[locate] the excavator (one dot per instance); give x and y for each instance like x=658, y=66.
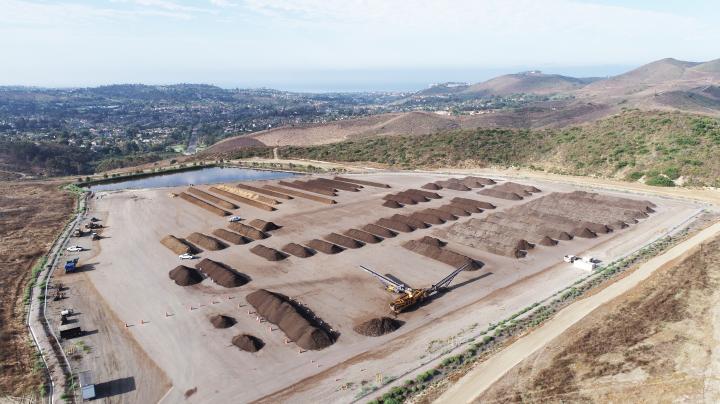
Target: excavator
x=409, y=296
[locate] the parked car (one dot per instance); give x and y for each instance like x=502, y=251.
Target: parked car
x=235, y=219
x=186, y=256
x=75, y=248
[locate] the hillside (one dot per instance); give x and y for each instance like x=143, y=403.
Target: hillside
x=655, y=147
x=526, y=83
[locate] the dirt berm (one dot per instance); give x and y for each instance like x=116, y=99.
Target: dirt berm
x=290, y=318
x=221, y=274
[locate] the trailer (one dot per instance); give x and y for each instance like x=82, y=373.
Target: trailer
x=87, y=387
x=68, y=331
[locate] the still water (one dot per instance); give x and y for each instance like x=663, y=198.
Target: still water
x=210, y=175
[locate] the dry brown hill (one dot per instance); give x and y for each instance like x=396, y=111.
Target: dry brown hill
x=527, y=83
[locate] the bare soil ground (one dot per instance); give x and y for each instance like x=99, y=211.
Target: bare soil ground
x=170, y=322
x=31, y=216
x=659, y=342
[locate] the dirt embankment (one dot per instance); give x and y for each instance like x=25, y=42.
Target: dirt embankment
x=31, y=216
x=655, y=342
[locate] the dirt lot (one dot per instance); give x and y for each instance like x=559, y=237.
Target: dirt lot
x=171, y=323
x=31, y=215
x=659, y=341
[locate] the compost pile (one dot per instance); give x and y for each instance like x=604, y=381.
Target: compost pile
x=221, y=274
x=212, y=198
x=263, y=225
x=365, y=237
x=410, y=221
x=546, y=221
x=247, y=231
x=472, y=202
x=176, y=245
x=206, y=242
x=378, y=326
x=362, y=182
x=324, y=247
x=441, y=254
x=379, y=231
x=279, y=310
x=454, y=210
x=343, y=241
x=500, y=194
x=394, y=225
x=230, y=236
x=393, y=204
x=428, y=218
x=221, y=321
x=268, y=253
x=248, y=343
x=431, y=186
x=426, y=194
x=297, y=250
x=185, y=276
x=199, y=202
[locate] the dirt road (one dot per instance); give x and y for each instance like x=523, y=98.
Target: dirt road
x=484, y=375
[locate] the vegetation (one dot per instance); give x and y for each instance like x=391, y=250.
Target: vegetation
x=660, y=147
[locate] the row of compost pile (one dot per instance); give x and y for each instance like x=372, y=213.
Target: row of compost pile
x=268, y=253
x=231, y=237
x=297, y=250
x=221, y=274
x=176, y=245
x=291, y=319
x=206, y=242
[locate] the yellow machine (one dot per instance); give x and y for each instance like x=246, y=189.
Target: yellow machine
x=409, y=296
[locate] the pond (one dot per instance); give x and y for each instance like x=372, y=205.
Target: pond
x=209, y=175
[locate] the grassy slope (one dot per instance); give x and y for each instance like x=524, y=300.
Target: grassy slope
x=656, y=146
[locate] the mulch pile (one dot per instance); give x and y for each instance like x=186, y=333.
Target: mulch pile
x=428, y=218
x=230, y=236
x=472, y=202
x=220, y=321
x=268, y=253
x=455, y=185
x=454, y=210
x=212, y=198
x=378, y=326
x=297, y=250
x=176, y=245
x=430, y=195
x=299, y=194
x=307, y=187
x=343, y=241
x=500, y=194
x=221, y=274
x=264, y=191
x=199, y=202
x=363, y=236
x=337, y=184
x=432, y=241
x=392, y=204
x=441, y=254
x=394, y=225
x=403, y=199
x=362, y=182
x=247, y=231
x=446, y=216
x=279, y=310
x=379, y=231
x=248, y=343
x=431, y=186
x=206, y=242
x=410, y=221
x=263, y=225
x=323, y=246
x=185, y=276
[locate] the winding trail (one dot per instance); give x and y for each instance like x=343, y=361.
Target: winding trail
x=484, y=375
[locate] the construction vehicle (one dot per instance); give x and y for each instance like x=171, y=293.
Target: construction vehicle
x=71, y=265
x=409, y=296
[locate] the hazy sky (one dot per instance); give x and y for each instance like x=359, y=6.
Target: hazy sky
x=354, y=44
